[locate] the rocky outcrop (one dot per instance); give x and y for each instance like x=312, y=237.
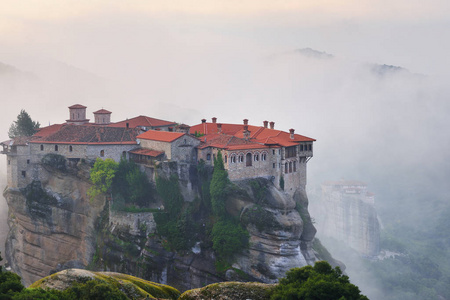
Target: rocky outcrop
x=281, y=232
x=51, y=224
x=133, y=287
x=230, y=291
x=345, y=211
x=54, y=226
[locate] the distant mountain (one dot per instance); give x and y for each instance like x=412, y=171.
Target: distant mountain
x=309, y=52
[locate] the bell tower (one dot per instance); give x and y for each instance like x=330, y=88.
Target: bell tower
x=77, y=115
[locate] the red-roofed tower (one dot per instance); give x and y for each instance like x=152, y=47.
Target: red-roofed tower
x=77, y=115
x=102, y=117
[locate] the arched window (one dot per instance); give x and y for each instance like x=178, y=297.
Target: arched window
x=241, y=158
x=286, y=168
x=256, y=157
x=208, y=156
x=70, y=148
x=248, y=160
x=233, y=159
x=56, y=147
x=263, y=156
x=102, y=153
x=290, y=167
x=42, y=147
x=226, y=159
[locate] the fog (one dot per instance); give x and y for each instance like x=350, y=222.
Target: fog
x=385, y=126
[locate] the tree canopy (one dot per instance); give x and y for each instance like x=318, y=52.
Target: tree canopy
x=102, y=175
x=23, y=126
x=318, y=282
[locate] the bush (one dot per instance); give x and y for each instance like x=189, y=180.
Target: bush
x=55, y=160
x=318, y=282
x=228, y=237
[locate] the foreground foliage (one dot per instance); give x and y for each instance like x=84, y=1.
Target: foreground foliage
x=318, y=282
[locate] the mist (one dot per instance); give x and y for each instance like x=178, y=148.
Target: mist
x=382, y=125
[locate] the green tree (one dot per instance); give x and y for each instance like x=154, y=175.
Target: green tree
x=23, y=126
x=318, y=282
x=102, y=175
x=228, y=237
x=218, y=186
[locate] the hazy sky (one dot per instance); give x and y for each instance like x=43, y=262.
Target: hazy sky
x=95, y=35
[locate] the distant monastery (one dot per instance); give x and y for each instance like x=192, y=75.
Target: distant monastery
x=248, y=151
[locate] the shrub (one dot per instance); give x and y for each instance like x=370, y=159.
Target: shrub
x=55, y=161
x=228, y=237
x=318, y=282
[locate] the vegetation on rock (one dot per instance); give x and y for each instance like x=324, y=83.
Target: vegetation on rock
x=23, y=126
x=318, y=282
x=55, y=161
x=102, y=175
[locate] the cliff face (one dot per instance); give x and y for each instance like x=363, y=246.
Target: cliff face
x=349, y=215
x=53, y=226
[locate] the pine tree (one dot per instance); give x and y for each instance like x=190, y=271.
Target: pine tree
x=23, y=126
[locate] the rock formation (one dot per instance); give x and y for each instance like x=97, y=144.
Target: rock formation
x=345, y=212
x=54, y=226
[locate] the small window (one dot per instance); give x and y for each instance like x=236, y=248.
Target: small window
x=124, y=154
x=241, y=158
x=226, y=159
x=273, y=165
x=295, y=166
x=263, y=156
x=310, y=147
x=233, y=159
x=70, y=148
x=301, y=147
x=273, y=151
x=185, y=142
x=208, y=156
x=24, y=174
x=102, y=153
x=290, y=167
x=286, y=167
x=42, y=147
x=28, y=161
x=256, y=157
x=56, y=147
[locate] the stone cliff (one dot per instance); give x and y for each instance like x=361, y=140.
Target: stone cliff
x=345, y=211
x=54, y=226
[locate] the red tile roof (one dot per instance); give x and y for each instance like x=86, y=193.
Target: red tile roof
x=77, y=106
x=162, y=136
x=86, y=134
x=102, y=111
x=259, y=136
x=147, y=152
x=48, y=130
x=142, y=121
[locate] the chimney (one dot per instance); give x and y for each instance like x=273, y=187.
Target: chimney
x=272, y=125
x=245, y=121
x=291, y=131
x=266, y=123
x=214, y=119
x=246, y=132
x=219, y=127
x=203, y=120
